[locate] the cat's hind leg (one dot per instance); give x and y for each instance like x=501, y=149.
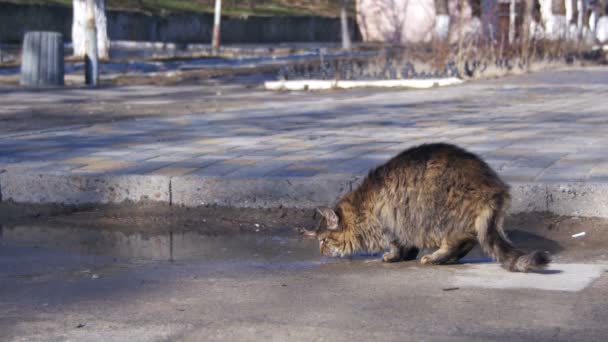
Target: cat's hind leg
x=446, y=254
x=398, y=252
x=464, y=249
x=393, y=254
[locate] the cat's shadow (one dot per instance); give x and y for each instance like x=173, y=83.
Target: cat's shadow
x=487, y=260
x=548, y=272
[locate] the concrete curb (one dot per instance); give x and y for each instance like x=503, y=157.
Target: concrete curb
x=576, y=199
x=82, y=189
x=259, y=193
x=338, y=84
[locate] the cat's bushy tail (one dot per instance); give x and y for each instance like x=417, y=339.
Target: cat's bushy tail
x=493, y=240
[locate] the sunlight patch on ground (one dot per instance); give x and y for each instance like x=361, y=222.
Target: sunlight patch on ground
x=558, y=277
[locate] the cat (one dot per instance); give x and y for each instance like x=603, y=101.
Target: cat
x=429, y=196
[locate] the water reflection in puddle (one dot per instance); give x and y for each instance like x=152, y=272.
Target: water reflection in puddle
x=169, y=246
x=257, y=250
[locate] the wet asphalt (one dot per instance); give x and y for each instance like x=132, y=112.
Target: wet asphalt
x=62, y=283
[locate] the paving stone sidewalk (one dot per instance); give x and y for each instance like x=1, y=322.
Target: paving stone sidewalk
x=544, y=133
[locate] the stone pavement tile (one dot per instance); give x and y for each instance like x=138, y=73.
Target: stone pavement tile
x=558, y=147
x=172, y=171
x=588, y=154
x=229, y=141
x=505, y=159
x=204, y=160
x=316, y=165
x=297, y=173
x=540, y=160
x=600, y=167
x=472, y=139
x=84, y=160
x=242, y=130
x=65, y=156
x=487, y=147
x=104, y=166
x=597, y=178
x=245, y=160
x=204, y=150
x=514, y=135
x=255, y=152
x=137, y=156
x=295, y=146
x=373, y=146
x=463, y=132
x=599, y=173
x=141, y=168
x=297, y=156
x=347, y=153
x=356, y=166
x=56, y=168
x=170, y=158
x=18, y=149
x=520, y=173
x=260, y=169
x=25, y=166
x=111, y=153
x=514, y=152
x=566, y=173
x=42, y=153
x=181, y=148
x=219, y=168
x=496, y=165
x=100, y=128
x=306, y=168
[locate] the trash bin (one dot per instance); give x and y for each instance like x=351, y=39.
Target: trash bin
x=42, y=59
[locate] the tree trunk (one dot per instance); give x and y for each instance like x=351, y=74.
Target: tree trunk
x=512, y=22
x=475, y=8
x=442, y=19
x=79, y=26
x=91, y=59
x=601, y=8
x=574, y=19
x=346, y=43
x=441, y=7
x=558, y=7
x=601, y=25
x=557, y=25
x=526, y=29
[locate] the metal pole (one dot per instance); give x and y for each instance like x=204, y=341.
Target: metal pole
x=215, y=43
x=346, y=43
x=91, y=58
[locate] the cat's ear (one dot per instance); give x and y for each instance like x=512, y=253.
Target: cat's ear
x=330, y=217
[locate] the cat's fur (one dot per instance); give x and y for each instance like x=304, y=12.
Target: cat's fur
x=434, y=195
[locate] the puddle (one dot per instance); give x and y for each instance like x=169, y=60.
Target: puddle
x=219, y=243
x=170, y=246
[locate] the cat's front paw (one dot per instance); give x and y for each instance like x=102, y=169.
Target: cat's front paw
x=426, y=260
x=390, y=257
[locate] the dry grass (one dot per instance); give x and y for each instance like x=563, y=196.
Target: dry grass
x=325, y=8
x=473, y=60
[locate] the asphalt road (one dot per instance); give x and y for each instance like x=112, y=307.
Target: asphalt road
x=59, y=284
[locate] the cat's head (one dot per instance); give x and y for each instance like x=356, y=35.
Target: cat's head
x=330, y=234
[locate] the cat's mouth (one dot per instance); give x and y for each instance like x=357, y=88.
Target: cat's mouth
x=332, y=252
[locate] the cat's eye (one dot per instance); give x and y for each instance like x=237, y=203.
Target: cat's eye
x=322, y=241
